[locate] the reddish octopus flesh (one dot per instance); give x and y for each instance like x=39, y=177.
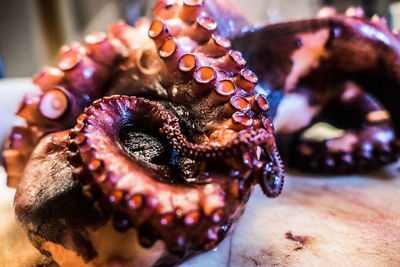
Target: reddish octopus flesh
x=162, y=129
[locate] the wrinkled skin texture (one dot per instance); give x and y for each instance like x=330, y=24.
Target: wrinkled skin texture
x=181, y=167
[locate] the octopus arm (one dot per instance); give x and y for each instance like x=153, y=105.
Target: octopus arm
x=320, y=56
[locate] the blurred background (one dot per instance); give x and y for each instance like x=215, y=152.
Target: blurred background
x=31, y=31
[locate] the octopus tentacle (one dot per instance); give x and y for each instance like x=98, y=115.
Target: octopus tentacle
x=367, y=141
x=271, y=177
x=142, y=193
x=128, y=60
x=20, y=142
x=179, y=168
x=81, y=76
x=245, y=142
x=220, y=79
x=168, y=124
x=317, y=56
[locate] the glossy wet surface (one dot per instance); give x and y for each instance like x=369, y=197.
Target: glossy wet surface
x=346, y=221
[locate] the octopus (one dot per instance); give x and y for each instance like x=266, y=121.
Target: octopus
x=145, y=143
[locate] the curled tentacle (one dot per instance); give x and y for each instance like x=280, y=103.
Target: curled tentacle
x=245, y=142
x=131, y=110
x=185, y=47
x=145, y=191
x=271, y=175
x=317, y=56
x=178, y=169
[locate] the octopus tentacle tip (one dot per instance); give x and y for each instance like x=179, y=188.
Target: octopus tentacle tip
x=271, y=176
x=173, y=133
x=248, y=160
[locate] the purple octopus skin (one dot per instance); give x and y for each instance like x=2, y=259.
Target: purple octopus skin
x=178, y=168
x=347, y=67
x=180, y=134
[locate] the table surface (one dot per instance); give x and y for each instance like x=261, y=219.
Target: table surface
x=340, y=221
